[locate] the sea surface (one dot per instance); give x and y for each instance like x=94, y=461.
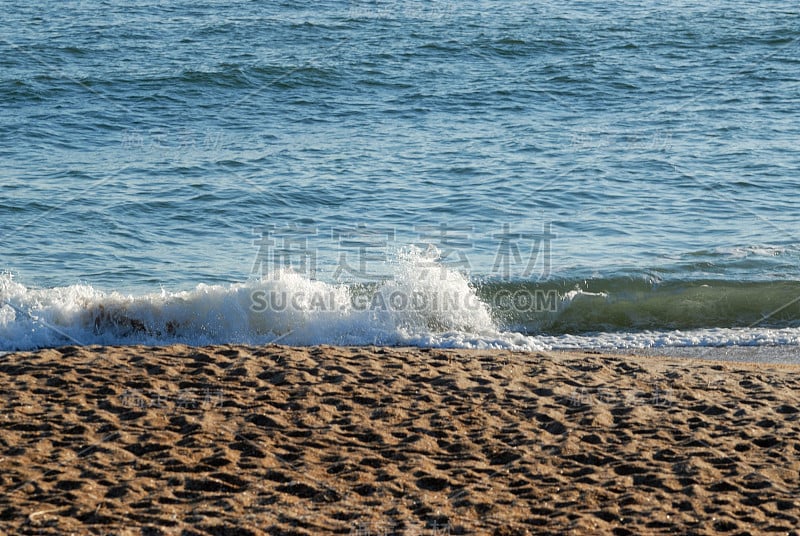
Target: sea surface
x=506, y=174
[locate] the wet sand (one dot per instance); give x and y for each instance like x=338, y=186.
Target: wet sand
x=329, y=440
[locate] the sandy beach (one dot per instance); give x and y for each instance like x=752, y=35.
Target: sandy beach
x=329, y=440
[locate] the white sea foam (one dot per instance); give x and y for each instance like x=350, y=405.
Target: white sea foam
x=422, y=304
x=706, y=337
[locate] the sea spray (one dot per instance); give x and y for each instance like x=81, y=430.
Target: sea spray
x=422, y=303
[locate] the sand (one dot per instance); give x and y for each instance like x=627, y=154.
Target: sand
x=372, y=441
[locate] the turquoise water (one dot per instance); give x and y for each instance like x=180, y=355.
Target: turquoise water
x=617, y=175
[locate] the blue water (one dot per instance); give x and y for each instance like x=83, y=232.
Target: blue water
x=161, y=162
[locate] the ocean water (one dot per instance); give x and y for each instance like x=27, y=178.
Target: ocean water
x=437, y=173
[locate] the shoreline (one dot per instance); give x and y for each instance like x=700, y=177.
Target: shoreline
x=767, y=354
x=785, y=354
x=377, y=440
